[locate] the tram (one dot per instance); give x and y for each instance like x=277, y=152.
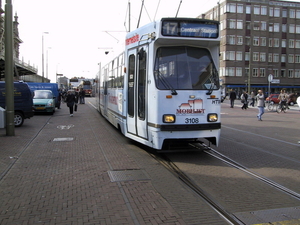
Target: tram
x=164, y=88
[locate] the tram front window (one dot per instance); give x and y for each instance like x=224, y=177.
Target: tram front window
x=185, y=68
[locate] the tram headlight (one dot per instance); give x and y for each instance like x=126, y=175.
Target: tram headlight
x=169, y=118
x=212, y=117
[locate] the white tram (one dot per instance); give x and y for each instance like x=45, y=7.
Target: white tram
x=165, y=86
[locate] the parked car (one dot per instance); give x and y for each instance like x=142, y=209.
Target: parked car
x=273, y=98
x=292, y=99
x=44, y=101
x=47, y=86
x=23, y=105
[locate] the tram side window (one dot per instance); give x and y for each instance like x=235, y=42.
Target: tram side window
x=131, y=74
x=142, y=87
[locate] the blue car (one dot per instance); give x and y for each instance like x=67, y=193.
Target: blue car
x=44, y=101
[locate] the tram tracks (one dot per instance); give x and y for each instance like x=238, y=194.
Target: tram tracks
x=164, y=160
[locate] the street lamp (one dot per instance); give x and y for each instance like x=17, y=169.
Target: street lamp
x=47, y=62
x=43, y=55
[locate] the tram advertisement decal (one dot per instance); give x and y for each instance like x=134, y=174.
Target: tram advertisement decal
x=192, y=107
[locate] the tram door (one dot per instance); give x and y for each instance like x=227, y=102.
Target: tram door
x=105, y=92
x=137, y=95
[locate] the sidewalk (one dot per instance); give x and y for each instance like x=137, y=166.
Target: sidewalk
x=80, y=170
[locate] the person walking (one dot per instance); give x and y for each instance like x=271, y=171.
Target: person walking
x=71, y=99
x=260, y=104
x=244, y=100
x=232, y=97
x=252, y=98
x=81, y=96
x=283, y=97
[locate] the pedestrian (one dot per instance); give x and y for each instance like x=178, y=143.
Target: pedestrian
x=260, y=104
x=283, y=97
x=81, y=96
x=244, y=100
x=70, y=101
x=252, y=98
x=232, y=97
x=298, y=101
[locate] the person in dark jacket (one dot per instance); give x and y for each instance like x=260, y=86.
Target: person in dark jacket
x=232, y=97
x=71, y=99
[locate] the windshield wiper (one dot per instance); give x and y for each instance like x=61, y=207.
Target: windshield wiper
x=165, y=82
x=214, y=82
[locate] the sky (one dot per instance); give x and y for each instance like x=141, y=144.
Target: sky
x=76, y=33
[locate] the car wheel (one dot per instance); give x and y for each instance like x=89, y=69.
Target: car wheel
x=19, y=119
x=292, y=103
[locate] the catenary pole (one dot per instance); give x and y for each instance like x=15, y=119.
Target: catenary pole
x=9, y=70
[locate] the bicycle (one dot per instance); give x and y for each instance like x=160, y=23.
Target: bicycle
x=271, y=106
x=282, y=108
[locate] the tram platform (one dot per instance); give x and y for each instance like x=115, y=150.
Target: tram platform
x=80, y=170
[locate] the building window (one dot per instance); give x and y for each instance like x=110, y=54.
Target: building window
x=231, y=7
x=256, y=41
x=276, y=42
x=297, y=58
x=239, y=56
x=270, y=42
x=263, y=25
x=291, y=43
x=271, y=27
x=283, y=58
x=283, y=43
x=270, y=57
x=239, y=24
x=275, y=57
x=264, y=10
x=291, y=74
x=239, y=71
x=232, y=24
x=271, y=11
x=284, y=28
x=297, y=29
x=239, y=40
x=275, y=72
x=231, y=39
x=257, y=10
x=284, y=13
x=297, y=73
x=282, y=73
x=256, y=25
x=291, y=58
x=263, y=41
x=240, y=8
x=262, y=72
x=276, y=27
x=292, y=28
x=255, y=56
x=292, y=13
x=276, y=12
x=298, y=14
x=262, y=56
x=255, y=72
x=230, y=55
x=248, y=9
x=247, y=54
x=247, y=39
x=229, y=71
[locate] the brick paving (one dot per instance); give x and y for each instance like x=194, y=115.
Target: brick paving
x=43, y=181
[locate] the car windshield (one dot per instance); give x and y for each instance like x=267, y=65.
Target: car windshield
x=185, y=68
x=42, y=95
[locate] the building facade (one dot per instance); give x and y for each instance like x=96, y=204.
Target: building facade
x=260, y=39
x=21, y=69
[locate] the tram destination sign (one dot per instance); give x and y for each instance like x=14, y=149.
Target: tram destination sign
x=193, y=28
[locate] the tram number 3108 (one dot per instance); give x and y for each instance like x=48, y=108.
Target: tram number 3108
x=191, y=120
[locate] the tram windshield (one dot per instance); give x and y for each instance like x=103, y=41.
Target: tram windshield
x=185, y=68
